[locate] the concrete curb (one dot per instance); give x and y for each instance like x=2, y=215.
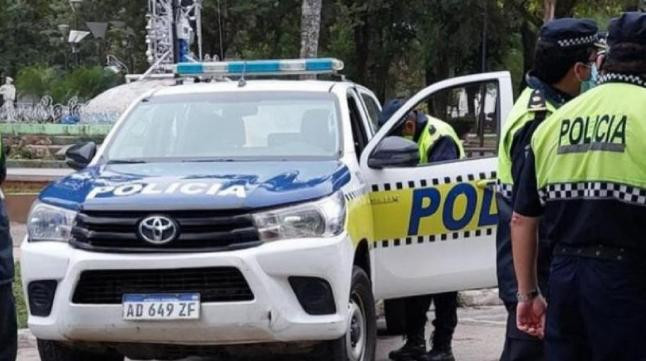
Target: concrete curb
x=478, y=298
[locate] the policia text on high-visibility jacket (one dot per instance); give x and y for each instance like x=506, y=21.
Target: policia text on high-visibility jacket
x=605, y=132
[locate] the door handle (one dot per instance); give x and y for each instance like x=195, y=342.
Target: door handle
x=486, y=184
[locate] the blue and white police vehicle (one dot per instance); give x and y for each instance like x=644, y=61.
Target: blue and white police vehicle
x=261, y=212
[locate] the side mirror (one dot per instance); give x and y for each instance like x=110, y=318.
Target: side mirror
x=394, y=151
x=80, y=155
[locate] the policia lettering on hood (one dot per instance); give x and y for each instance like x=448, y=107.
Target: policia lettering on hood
x=603, y=132
x=189, y=189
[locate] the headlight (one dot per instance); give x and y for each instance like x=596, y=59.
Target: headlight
x=322, y=218
x=49, y=223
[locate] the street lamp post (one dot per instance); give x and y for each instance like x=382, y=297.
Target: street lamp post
x=76, y=8
x=64, y=29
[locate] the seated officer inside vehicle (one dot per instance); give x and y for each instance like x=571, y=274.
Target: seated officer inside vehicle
x=437, y=141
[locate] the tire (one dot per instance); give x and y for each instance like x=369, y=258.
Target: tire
x=395, y=314
x=360, y=341
x=57, y=351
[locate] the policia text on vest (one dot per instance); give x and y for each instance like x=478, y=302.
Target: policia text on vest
x=602, y=132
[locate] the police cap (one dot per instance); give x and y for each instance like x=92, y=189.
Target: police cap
x=570, y=32
x=629, y=28
x=391, y=107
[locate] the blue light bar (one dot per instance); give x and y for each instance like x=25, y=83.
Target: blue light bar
x=261, y=67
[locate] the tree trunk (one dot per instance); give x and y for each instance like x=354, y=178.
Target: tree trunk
x=549, y=8
x=310, y=28
x=528, y=37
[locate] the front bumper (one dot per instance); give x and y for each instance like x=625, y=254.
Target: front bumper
x=274, y=315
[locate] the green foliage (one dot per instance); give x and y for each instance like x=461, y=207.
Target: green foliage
x=36, y=80
x=84, y=82
x=393, y=47
x=21, y=307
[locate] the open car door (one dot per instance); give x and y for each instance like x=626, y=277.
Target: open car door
x=435, y=224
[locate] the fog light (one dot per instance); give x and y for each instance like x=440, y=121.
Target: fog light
x=314, y=295
x=41, y=297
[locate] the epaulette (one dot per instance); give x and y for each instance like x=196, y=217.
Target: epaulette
x=537, y=102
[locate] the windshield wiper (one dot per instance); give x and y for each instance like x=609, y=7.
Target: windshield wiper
x=126, y=161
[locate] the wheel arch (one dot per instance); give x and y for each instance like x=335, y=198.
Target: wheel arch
x=362, y=257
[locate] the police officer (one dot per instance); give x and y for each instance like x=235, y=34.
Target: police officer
x=585, y=174
x=8, y=327
x=437, y=142
x=563, y=58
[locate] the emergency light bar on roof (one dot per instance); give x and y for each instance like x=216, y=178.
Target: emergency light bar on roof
x=260, y=67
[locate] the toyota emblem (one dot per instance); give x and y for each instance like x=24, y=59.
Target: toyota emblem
x=157, y=229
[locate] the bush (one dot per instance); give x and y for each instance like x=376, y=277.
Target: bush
x=83, y=82
x=36, y=80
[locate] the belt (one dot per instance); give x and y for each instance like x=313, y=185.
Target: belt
x=599, y=252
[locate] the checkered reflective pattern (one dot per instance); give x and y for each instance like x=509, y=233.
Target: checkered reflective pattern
x=622, y=78
x=594, y=190
x=504, y=189
x=566, y=43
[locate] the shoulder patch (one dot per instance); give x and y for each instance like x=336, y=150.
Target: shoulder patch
x=537, y=102
x=432, y=129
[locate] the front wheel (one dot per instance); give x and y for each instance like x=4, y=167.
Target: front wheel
x=359, y=342
x=57, y=351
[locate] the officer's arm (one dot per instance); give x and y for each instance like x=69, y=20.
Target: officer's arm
x=443, y=149
x=524, y=227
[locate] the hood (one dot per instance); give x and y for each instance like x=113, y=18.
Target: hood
x=198, y=185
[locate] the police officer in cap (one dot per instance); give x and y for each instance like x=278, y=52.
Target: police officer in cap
x=8, y=326
x=585, y=174
x=563, y=67
x=437, y=141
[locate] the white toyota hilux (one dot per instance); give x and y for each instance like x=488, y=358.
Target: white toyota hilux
x=229, y=216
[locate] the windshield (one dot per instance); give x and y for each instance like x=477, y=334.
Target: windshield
x=232, y=126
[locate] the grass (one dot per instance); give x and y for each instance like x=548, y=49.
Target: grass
x=21, y=307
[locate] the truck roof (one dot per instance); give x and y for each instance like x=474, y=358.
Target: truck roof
x=252, y=85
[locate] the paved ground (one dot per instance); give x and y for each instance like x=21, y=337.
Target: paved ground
x=18, y=231
x=479, y=337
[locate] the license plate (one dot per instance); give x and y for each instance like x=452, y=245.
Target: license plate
x=161, y=307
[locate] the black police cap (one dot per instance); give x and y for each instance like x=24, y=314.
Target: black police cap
x=570, y=32
x=389, y=109
x=629, y=28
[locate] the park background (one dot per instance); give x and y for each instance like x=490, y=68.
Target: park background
x=394, y=47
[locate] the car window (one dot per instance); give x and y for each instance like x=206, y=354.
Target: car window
x=373, y=109
x=359, y=136
x=472, y=110
x=229, y=126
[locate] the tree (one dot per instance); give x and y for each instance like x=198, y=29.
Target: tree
x=549, y=8
x=310, y=28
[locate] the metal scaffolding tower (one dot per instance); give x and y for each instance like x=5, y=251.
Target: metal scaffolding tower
x=172, y=26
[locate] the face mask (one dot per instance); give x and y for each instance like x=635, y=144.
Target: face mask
x=592, y=80
x=409, y=137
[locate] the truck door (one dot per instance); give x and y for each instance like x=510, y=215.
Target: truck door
x=435, y=224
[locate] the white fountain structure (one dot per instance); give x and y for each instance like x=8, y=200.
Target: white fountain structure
x=172, y=26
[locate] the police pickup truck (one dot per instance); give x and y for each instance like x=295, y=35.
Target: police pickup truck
x=227, y=216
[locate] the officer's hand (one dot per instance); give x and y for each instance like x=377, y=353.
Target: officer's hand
x=530, y=316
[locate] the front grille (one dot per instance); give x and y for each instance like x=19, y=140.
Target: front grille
x=217, y=284
x=197, y=230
